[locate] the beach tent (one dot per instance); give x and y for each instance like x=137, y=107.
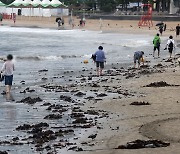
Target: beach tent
x=2, y=4
x=37, y=8
x=58, y=8
x=27, y=3
x=2, y=7
x=46, y=3
x=36, y=3
x=56, y=3
x=17, y=4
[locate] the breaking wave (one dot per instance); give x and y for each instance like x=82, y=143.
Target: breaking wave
x=38, y=58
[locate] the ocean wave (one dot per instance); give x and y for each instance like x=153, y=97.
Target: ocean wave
x=126, y=43
x=38, y=58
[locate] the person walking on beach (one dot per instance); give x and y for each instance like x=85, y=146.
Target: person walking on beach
x=177, y=30
x=7, y=70
x=156, y=42
x=170, y=45
x=138, y=56
x=14, y=17
x=161, y=29
x=100, y=59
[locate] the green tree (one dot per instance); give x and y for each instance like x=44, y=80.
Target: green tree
x=107, y=5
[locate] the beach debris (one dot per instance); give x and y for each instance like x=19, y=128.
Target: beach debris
x=140, y=103
x=101, y=95
x=3, y=152
x=92, y=112
x=93, y=136
x=53, y=116
x=158, y=65
x=65, y=98
x=144, y=66
x=3, y=93
x=169, y=60
x=129, y=75
x=80, y=121
x=28, y=127
x=79, y=94
x=139, y=144
x=90, y=78
x=29, y=100
x=27, y=90
x=95, y=85
x=44, y=70
x=159, y=84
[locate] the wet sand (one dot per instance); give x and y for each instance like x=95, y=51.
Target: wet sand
x=111, y=116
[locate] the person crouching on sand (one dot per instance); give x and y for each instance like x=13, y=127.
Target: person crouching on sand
x=100, y=59
x=138, y=56
x=7, y=70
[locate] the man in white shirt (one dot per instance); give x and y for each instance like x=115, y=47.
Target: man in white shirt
x=170, y=45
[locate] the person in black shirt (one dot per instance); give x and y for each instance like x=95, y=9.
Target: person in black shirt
x=177, y=30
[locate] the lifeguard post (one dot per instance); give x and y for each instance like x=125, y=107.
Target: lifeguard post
x=146, y=18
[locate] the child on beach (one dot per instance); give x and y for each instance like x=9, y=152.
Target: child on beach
x=7, y=70
x=138, y=55
x=100, y=59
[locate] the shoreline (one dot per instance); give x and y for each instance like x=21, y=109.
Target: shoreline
x=112, y=26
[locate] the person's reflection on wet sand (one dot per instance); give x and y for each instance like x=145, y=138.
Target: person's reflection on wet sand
x=9, y=97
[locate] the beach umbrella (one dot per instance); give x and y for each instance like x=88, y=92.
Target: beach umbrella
x=160, y=24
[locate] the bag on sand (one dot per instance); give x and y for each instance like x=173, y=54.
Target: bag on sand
x=1, y=77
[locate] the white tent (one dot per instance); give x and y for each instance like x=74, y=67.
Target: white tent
x=56, y=3
x=2, y=7
x=45, y=3
x=38, y=8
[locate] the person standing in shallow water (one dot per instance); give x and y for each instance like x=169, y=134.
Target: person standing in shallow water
x=7, y=70
x=156, y=42
x=100, y=59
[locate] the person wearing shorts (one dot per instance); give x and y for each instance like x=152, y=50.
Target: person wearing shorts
x=170, y=45
x=100, y=59
x=7, y=70
x=137, y=57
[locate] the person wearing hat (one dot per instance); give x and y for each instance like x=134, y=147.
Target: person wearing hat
x=100, y=59
x=138, y=56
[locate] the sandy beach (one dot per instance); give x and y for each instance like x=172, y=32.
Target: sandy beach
x=109, y=98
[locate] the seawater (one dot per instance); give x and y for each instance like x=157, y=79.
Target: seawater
x=59, y=50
